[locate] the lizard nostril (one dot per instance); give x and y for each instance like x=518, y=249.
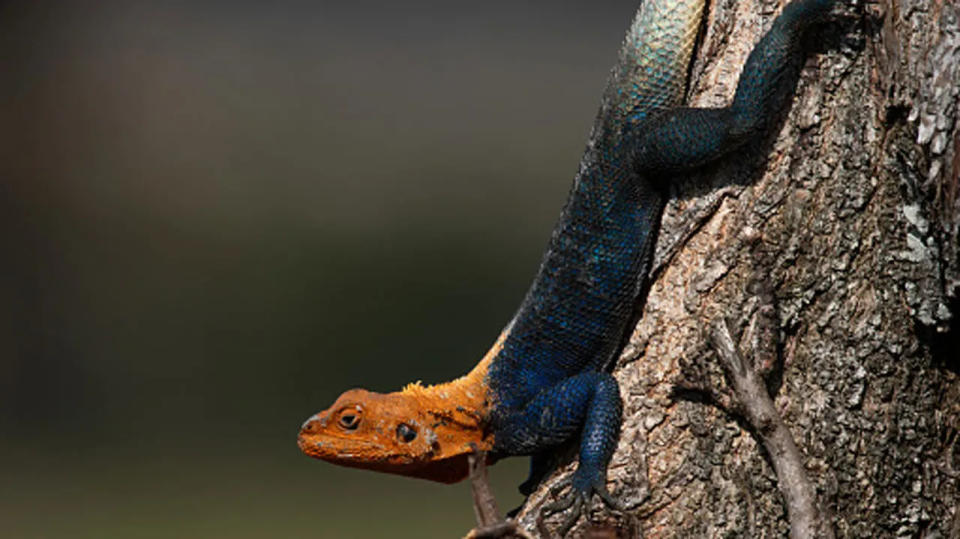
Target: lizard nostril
x=311, y=425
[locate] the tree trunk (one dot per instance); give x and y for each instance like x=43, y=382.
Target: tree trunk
x=830, y=252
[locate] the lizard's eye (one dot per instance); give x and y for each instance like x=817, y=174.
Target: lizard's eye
x=406, y=433
x=350, y=419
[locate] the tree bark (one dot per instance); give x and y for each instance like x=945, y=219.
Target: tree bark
x=830, y=251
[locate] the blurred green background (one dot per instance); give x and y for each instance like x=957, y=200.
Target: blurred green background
x=216, y=216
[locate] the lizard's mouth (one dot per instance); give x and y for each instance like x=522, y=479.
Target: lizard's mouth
x=372, y=456
x=336, y=449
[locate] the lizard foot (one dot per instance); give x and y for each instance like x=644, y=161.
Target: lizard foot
x=576, y=501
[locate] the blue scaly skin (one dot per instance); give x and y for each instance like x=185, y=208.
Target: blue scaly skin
x=546, y=381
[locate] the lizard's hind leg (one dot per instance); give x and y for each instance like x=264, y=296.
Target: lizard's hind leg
x=684, y=138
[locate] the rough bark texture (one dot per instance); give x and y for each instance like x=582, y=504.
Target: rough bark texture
x=848, y=214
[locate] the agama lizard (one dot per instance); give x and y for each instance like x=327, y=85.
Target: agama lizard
x=546, y=379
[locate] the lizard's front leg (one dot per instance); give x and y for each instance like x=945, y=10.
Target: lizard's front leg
x=587, y=404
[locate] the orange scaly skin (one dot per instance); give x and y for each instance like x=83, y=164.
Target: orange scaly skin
x=420, y=431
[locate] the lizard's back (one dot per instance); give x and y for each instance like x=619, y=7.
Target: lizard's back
x=576, y=311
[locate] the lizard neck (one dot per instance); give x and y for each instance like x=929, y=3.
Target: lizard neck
x=463, y=399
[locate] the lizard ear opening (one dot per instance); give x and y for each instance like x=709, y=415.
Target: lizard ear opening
x=406, y=433
x=350, y=418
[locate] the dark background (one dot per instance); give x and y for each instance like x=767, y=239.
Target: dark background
x=216, y=216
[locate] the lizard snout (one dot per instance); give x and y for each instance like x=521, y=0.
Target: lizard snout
x=313, y=424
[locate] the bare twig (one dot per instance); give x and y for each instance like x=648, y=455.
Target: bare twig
x=484, y=503
x=490, y=525
x=806, y=519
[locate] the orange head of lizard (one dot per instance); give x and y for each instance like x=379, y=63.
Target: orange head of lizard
x=424, y=432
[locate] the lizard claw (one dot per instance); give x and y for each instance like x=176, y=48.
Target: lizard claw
x=576, y=501
x=556, y=489
x=608, y=499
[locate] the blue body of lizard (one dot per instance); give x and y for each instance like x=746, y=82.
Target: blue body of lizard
x=549, y=380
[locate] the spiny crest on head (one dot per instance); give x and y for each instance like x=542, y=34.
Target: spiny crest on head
x=415, y=388
x=468, y=390
x=469, y=387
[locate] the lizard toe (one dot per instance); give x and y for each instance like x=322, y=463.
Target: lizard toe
x=576, y=502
